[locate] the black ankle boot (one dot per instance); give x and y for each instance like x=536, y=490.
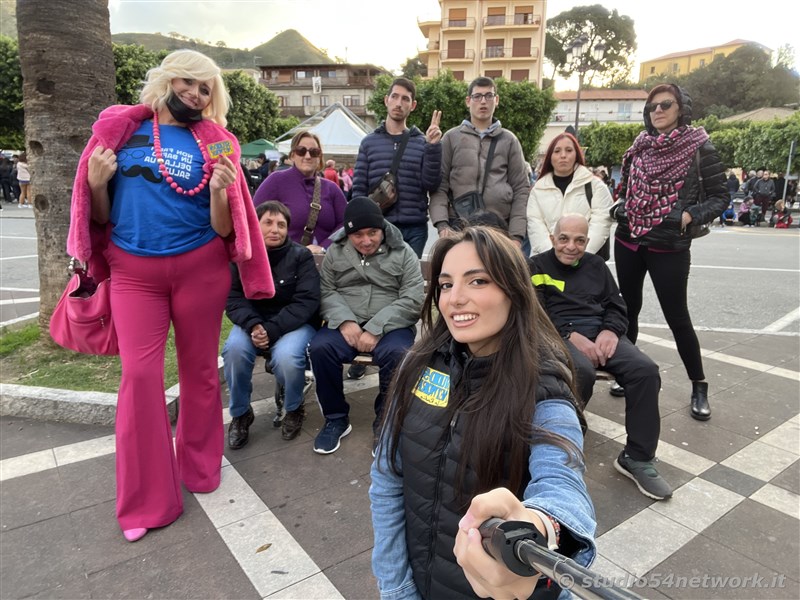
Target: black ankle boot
x=700, y=408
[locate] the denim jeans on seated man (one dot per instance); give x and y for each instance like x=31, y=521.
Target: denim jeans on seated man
x=287, y=361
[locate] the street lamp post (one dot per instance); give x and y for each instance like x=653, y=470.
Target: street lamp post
x=582, y=62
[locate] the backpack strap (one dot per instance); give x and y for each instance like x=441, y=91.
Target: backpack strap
x=313, y=214
x=587, y=189
x=489, y=158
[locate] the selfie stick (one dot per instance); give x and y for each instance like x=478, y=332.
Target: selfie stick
x=521, y=548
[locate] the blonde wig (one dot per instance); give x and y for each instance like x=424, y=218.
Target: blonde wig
x=187, y=64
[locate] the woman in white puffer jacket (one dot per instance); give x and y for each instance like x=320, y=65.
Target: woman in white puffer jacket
x=562, y=189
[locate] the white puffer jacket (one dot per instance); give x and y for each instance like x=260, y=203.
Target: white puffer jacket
x=546, y=205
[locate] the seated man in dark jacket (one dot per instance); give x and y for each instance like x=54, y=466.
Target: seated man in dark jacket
x=582, y=299
x=279, y=328
x=372, y=289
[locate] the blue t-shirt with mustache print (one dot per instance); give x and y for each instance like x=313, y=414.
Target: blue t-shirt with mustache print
x=149, y=218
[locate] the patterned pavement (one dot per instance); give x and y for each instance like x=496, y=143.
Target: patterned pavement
x=288, y=523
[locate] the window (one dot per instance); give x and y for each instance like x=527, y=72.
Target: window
x=496, y=16
x=494, y=48
x=283, y=101
x=456, y=49
x=675, y=68
x=352, y=101
x=625, y=108
x=702, y=62
x=520, y=74
x=652, y=70
x=302, y=74
x=493, y=74
x=306, y=100
x=328, y=74
x=523, y=15
x=521, y=47
x=458, y=75
x=457, y=17
x=323, y=100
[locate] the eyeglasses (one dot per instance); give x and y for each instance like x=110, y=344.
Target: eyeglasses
x=314, y=152
x=664, y=104
x=478, y=97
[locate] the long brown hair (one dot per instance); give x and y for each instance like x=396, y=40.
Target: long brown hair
x=547, y=164
x=499, y=422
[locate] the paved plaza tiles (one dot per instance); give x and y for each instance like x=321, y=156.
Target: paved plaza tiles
x=288, y=523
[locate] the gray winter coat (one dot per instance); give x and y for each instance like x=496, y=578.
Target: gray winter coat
x=382, y=292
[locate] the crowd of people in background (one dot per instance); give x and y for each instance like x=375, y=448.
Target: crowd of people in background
x=15, y=179
x=519, y=312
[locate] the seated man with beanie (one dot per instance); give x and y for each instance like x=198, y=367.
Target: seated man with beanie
x=584, y=303
x=278, y=328
x=372, y=291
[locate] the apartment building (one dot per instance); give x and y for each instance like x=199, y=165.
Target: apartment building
x=492, y=38
x=680, y=63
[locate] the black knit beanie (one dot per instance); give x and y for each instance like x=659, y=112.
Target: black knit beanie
x=362, y=213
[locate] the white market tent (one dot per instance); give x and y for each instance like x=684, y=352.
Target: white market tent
x=339, y=130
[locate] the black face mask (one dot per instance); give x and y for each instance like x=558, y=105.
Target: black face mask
x=182, y=113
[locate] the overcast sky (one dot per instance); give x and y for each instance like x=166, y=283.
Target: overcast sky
x=356, y=30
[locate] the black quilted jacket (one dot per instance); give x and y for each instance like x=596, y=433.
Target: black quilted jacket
x=668, y=234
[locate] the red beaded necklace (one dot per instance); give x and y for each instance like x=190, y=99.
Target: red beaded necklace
x=162, y=166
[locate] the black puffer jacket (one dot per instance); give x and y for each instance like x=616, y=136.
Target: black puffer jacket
x=297, y=294
x=668, y=235
x=430, y=455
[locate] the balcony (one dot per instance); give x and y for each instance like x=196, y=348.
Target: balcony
x=431, y=48
x=352, y=81
x=457, y=55
x=521, y=21
x=467, y=23
x=498, y=53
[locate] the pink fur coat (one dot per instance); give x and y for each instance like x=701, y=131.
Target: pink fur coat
x=87, y=239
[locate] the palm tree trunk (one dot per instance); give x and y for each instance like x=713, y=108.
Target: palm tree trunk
x=68, y=77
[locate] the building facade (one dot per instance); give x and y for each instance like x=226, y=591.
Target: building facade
x=681, y=63
x=305, y=89
x=491, y=38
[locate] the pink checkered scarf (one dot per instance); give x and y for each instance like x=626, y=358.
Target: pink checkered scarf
x=657, y=166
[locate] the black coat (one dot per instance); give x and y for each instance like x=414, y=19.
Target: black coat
x=669, y=234
x=297, y=295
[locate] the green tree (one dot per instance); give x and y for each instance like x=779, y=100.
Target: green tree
x=768, y=144
x=11, y=112
x=131, y=63
x=727, y=142
x=254, y=112
x=785, y=57
x=414, y=67
x=68, y=78
x=525, y=110
x=605, y=144
x=615, y=31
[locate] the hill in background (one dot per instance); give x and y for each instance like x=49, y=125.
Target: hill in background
x=286, y=48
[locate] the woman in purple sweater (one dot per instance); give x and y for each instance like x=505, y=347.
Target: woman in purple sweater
x=295, y=188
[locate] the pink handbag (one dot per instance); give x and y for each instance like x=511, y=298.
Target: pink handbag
x=82, y=319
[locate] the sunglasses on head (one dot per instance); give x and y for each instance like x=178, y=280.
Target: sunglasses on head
x=314, y=152
x=664, y=104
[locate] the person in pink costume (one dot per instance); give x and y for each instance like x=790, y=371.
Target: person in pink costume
x=161, y=203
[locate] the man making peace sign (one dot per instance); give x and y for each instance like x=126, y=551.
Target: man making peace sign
x=419, y=171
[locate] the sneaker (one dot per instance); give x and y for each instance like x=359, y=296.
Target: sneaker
x=331, y=434
x=292, y=423
x=238, y=430
x=645, y=475
x=617, y=390
x=356, y=372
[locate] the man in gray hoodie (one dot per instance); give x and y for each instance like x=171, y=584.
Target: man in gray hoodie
x=464, y=152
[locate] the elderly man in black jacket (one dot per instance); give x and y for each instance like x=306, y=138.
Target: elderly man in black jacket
x=583, y=301
x=279, y=328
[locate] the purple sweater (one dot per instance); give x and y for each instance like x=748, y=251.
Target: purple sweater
x=295, y=191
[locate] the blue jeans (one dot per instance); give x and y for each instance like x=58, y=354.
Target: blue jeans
x=329, y=351
x=415, y=236
x=287, y=361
